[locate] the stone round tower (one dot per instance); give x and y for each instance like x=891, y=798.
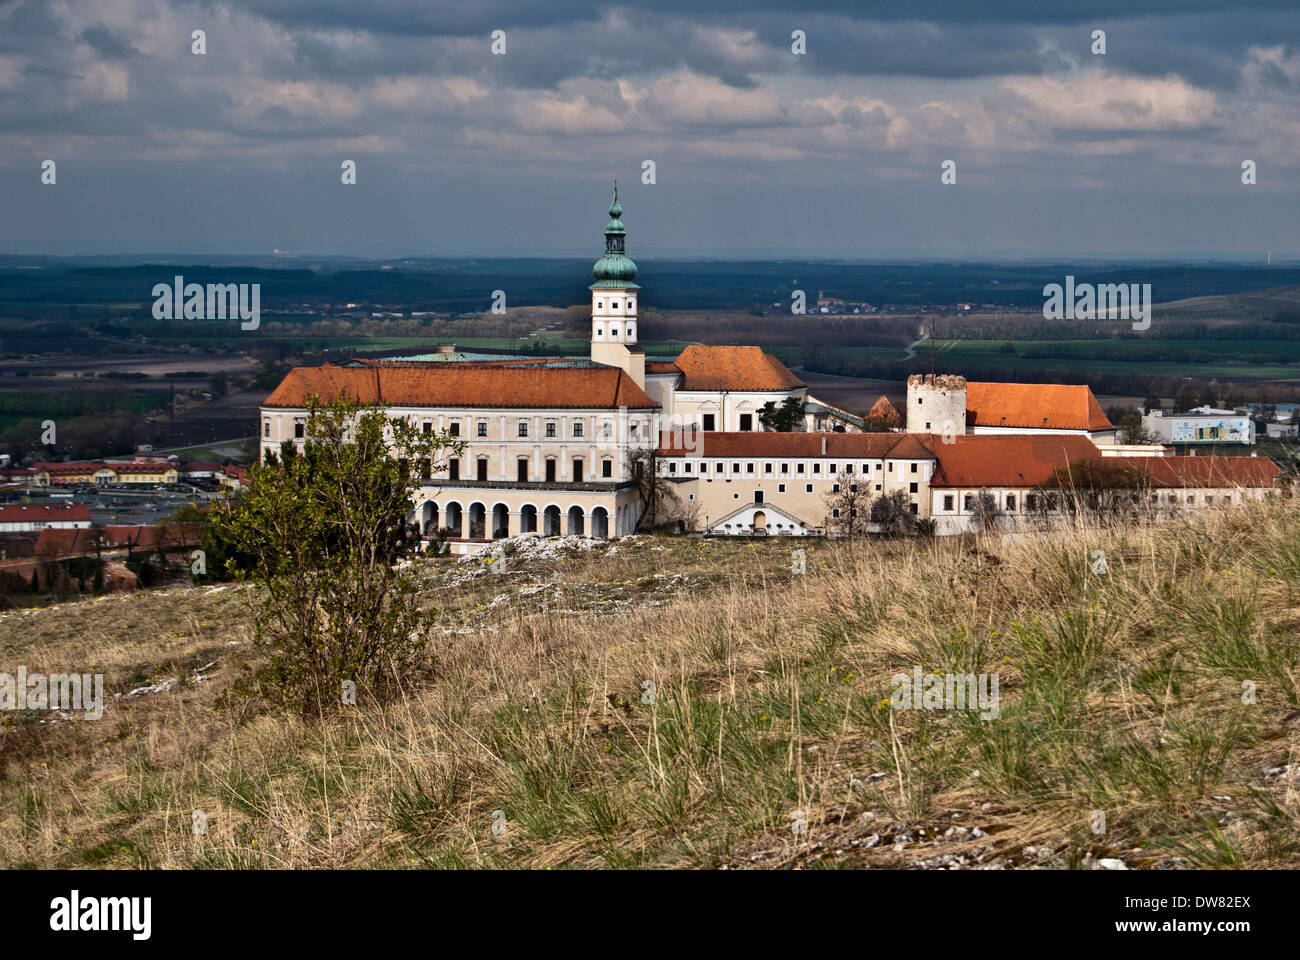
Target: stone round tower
x=936, y=403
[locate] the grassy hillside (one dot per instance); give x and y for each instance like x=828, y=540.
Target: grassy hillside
x=770, y=741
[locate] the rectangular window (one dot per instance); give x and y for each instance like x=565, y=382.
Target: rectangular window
x=550, y=429
x=746, y=421
x=686, y=467
x=482, y=428
x=947, y=501
x=299, y=429
x=735, y=468
x=266, y=428
x=426, y=427
x=523, y=428
x=749, y=468
x=798, y=468
x=758, y=496
x=807, y=488
x=607, y=468
x=785, y=468
x=707, y=421
x=522, y=475
x=1011, y=501
x=968, y=502
x=577, y=471
x=577, y=428
x=914, y=468
x=482, y=469
x=780, y=488
x=455, y=429
x=817, y=468
x=911, y=488
x=453, y=468
x=550, y=471
x=672, y=468
x=1031, y=501
x=767, y=468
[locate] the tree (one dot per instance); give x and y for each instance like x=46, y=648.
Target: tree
x=893, y=513
x=656, y=494
x=784, y=418
x=1131, y=429
x=987, y=514
x=1104, y=487
x=847, y=506
x=323, y=531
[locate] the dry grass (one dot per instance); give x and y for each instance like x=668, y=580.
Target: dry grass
x=1120, y=692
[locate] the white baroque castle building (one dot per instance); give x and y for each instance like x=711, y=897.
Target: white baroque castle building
x=550, y=443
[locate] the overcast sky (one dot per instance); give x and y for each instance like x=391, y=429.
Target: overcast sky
x=758, y=151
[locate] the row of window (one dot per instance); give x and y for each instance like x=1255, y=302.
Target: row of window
x=550, y=429
x=523, y=470
x=832, y=469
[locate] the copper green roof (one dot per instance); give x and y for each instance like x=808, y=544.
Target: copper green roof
x=615, y=269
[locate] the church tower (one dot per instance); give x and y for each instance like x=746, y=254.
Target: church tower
x=613, y=302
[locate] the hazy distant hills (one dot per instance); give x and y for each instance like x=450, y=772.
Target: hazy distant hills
x=1209, y=290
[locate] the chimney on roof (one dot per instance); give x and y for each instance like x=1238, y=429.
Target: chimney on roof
x=446, y=348
x=823, y=446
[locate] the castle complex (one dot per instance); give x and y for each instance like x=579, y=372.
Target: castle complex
x=552, y=444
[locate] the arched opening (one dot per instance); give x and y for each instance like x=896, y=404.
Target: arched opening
x=429, y=519
x=575, y=521
x=500, y=522
x=600, y=523
x=551, y=521
x=528, y=518
x=453, y=519
x=760, y=521
x=477, y=521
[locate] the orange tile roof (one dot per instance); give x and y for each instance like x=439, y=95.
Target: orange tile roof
x=1055, y=406
x=1207, y=471
x=662, y=366
x=464, y=385
x=733, y=368
x=884, y=412
x=1014, y=460
x=861, y=446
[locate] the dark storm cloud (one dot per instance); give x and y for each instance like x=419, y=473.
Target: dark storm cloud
x=711, y=91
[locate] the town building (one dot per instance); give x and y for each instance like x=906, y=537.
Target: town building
x=1201, y=425
x=30, y=518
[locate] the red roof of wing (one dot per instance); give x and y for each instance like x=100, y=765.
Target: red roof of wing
x=1208, y=471
x=1055, y=406
x=463, y=385
x=733, y=368
x=1016, y=460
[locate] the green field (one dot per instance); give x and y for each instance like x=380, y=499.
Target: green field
x=1214, y=358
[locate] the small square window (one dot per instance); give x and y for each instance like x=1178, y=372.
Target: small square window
x=780, y=488
x=482, y=428
x=807, y=488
